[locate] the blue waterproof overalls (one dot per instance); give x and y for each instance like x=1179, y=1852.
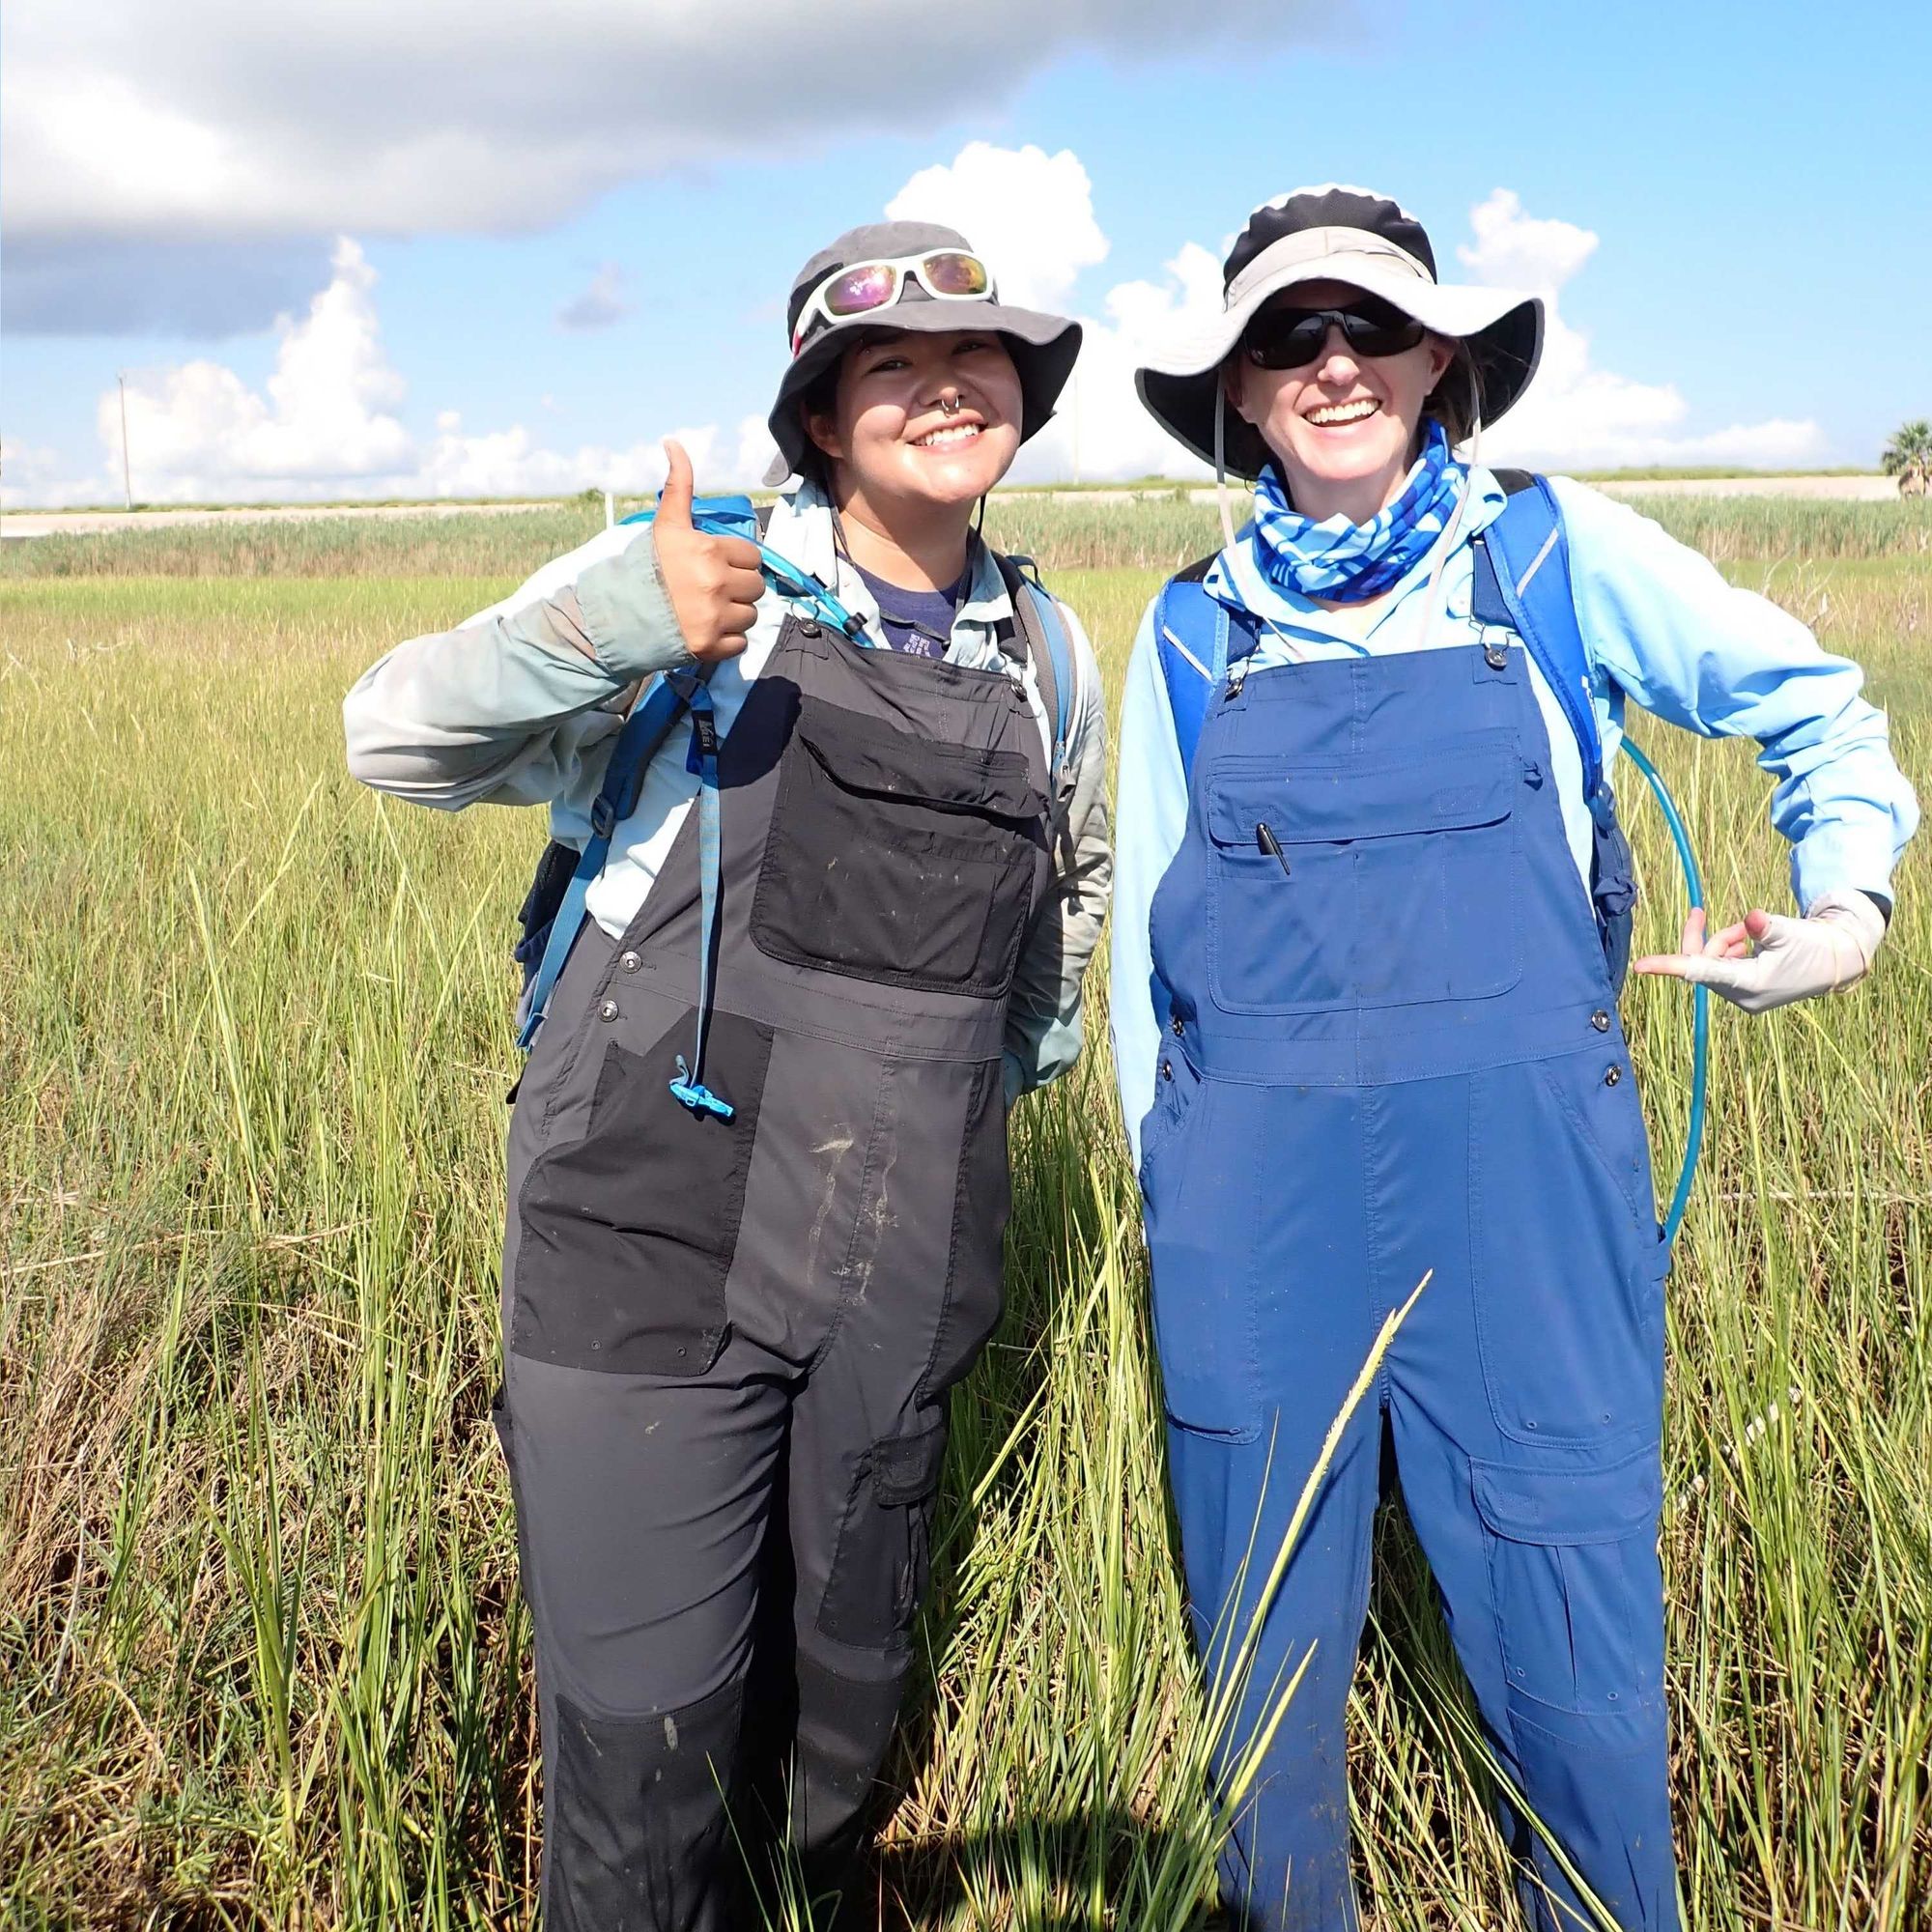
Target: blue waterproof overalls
x=1393, y=1051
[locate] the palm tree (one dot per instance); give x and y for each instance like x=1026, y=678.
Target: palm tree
x=1908, y=456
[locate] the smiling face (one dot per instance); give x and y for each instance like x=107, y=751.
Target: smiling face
x=1345, y=428
x=920, y=421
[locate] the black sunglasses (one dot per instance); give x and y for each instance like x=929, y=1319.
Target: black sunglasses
x=1292, y=338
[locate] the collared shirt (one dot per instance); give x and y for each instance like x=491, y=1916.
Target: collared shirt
x=1662, y=627
x=520, y=706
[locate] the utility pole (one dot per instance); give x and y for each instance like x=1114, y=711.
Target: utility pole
x=127, y=472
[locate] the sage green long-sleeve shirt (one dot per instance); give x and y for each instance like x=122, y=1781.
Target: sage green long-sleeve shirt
x=520, y=706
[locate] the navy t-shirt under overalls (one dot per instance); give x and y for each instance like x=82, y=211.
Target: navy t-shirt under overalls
x=917, y=622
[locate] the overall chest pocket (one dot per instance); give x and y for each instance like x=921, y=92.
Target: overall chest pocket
x=897, y=859
x=1366, y=882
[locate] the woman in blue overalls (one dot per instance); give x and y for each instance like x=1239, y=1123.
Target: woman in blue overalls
x=1367, y=949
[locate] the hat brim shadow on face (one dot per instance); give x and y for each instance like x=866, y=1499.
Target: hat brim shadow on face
x=1044, y=347
x=1503, y=329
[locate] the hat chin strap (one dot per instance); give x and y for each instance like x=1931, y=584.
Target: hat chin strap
x=1221, y=463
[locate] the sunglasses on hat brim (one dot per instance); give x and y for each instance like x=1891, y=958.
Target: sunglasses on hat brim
x=947, y=275
x=1292, y=338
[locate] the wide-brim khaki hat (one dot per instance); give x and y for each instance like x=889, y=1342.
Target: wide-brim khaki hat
x=1335, y=234
x=1044, y=347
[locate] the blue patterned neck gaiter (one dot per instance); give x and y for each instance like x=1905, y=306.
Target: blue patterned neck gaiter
x=1348, y=562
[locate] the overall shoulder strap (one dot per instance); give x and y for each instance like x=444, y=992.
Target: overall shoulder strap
x=1047, y=645
x=1522, y=584
x=1196, y=640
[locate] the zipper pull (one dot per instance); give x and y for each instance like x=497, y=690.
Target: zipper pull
x=1271, y=845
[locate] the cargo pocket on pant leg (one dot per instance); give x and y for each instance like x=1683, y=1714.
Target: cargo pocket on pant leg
x=1579, y=1594
x=626, y=1236
x=1578, y=1600
x=880, y=1567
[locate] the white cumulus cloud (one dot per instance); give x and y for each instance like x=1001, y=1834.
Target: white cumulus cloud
x=31, y=473
x=1515, y=250
x=1030, y=214
x=324, y=425
x=329, y=423
x=328, y=417
x=1574, y=414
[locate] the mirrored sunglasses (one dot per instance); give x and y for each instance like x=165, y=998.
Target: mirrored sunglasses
x=947, y=275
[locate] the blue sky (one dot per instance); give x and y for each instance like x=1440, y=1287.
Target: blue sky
x=1755, y=179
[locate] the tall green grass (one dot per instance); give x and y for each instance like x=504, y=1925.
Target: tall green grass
x=261, y=1660
x=1065, y=532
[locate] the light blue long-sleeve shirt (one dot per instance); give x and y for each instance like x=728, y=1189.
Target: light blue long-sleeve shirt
x=1663, y=628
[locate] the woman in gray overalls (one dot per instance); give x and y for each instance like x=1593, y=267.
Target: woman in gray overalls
x=729, y=1333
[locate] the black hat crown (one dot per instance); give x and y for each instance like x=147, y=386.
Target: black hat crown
x=1327, y=208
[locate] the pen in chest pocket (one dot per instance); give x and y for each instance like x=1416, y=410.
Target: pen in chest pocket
x=1271, y=845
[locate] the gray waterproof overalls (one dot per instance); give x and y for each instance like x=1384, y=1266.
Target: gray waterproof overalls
x=728, y=1342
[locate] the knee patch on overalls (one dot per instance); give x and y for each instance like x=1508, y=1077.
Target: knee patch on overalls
x=844, y=1729
x=635, y=1813
x=1579, y=1597
x=879, y=1568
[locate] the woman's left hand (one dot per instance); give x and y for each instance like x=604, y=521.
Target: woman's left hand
x=1768, y=959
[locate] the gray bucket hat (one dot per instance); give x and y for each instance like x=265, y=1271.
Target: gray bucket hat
x=1340, y=235
x=1044, y=347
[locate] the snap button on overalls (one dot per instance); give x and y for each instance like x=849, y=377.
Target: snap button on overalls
x=729, y=1340
x=1395, y=1051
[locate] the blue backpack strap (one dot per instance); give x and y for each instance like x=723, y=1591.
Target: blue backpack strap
x=736, y=517
x=644, y=730
x=1196, y=640
x=718, y=516
x=1049, y=647
x=1522, y=583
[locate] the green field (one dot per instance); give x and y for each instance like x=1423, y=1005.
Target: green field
x=262, y=1660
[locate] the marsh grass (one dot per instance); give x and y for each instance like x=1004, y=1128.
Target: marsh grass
x=261, y=1660
x=1065, y=532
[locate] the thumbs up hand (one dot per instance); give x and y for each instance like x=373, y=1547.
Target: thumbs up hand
x=713, y=582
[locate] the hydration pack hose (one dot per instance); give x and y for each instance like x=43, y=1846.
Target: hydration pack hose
x=1700, y=996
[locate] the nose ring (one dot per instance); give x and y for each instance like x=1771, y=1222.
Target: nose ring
x=948, y=406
